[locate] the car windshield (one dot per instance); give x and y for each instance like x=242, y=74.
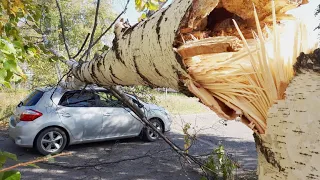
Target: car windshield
x=33, y=98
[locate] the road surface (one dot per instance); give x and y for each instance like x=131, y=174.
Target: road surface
x=136, y=160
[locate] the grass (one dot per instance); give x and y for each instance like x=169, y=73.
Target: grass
x=8, y=101
x=177, y=103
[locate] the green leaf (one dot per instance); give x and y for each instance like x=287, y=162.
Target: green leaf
x=143, y=16
x=32, y=51
x=105, y=48
x=140, y=5
x=153, y=5
x=10, y=175
x=8, y=47
x=10, y=65
x=7, y=84
x=3, y=160
x=203, y=178
x=10, y=155
x=33, y=165
x=3, y=74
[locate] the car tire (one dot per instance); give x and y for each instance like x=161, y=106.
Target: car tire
x=51, y=141
x=149, y=134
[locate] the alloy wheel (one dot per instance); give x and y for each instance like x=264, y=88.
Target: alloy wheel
x=52, y=141
x=152, y=133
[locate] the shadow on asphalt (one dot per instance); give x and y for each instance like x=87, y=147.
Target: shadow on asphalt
x=130, y=159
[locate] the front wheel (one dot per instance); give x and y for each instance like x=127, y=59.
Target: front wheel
x=51, y=141
x=151, y=135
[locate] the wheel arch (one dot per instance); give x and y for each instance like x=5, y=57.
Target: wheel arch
x=53, y=126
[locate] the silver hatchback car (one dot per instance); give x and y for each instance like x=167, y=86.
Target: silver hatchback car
x=49, y=119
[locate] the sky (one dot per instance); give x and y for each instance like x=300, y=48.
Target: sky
x=131, y=14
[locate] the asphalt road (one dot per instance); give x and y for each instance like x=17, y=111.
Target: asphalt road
x=135, y=159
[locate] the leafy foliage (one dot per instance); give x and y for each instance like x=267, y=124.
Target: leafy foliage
x=219, y=164
x=14, y=48
x=23, y=24
x=153, y=5
x=145, y=6
x=186, y=137
x=8, y=175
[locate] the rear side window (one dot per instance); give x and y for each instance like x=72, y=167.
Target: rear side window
x=33, y=98
x=78, y=99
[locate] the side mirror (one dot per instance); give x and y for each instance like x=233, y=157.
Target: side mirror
x=140, y=105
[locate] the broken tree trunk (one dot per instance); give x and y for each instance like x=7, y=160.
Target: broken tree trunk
x=290, y=147
x=208, y=49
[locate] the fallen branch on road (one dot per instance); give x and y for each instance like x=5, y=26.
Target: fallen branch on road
x=47, y=158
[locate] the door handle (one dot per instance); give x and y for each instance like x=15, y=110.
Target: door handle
x=107, y=114
x=66, y=115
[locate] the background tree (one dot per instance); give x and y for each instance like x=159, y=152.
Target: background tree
x=78, y=19
x=14, y=47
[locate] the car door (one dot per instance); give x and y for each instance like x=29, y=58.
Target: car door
x=117, y=120
x=80, y=114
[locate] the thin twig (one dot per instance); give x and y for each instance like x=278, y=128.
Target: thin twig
x=94, y=28
x=125, y=99
x=59, y=83
x=34, y=161
x=97, y=40
x=83, y=44
x=62, y=28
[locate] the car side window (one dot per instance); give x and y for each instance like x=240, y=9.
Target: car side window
x=78, y=99
x=106, y=99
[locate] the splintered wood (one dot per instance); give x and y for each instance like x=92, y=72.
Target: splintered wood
x=209, y=46
x=244, y=79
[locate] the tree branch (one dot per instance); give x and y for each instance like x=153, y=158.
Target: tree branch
x=98, y=39
x=94, y=28
x=62, y=28
x=34, y=161
x=83, y=44
x=125, y=99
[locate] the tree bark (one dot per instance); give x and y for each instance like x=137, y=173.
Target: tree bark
x=290, y=148
x=142, y=54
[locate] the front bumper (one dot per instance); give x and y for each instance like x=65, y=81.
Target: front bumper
x=21, y=133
